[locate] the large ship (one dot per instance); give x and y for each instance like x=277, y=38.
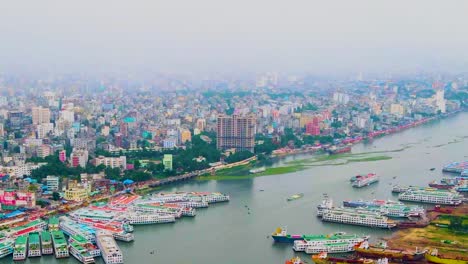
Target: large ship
x=381, y=251
x=456, y=167
x=339, y=149
x=327, y=203
x=110, y=251
x=20, y=250
x=388, y=208
x=60, y=244
x=71, y=228
x=365, y=180
x=157, y=208
x=281, y=236
x=80, y=253
x=328, y=243
x=34, y=246
x=53, y=224
x=434, y=257
x=32, y=226
x=82, y=241
x=432, y=196
x=444, y=184
x=358, y=216
x=46, y=243
x=140, y=218
x=6, y=248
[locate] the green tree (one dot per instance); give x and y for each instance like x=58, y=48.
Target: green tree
x=55, y=196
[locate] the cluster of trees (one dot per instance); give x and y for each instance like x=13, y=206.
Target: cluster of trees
x=238, y=156
x=459, y=224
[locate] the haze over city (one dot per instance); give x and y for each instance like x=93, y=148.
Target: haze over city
x=322, y=37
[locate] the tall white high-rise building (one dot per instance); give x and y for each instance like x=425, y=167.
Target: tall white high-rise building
x=440, y=100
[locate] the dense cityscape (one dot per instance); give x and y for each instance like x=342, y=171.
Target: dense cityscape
x=180, y=132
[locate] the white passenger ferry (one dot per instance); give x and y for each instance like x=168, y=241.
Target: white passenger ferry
x=110, y=251
x=432, y=196
x=357, y=217
x=138, y=218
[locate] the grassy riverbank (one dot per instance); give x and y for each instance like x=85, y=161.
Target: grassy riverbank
x=247, y=175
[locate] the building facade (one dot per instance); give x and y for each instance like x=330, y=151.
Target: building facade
x=236, y=132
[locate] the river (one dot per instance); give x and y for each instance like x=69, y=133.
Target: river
x=227, y=233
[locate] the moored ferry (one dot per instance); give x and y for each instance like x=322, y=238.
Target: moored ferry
x=71, y=228
x=357, y=217
x=432, y=196
x=141, y=218
x=328, y=243
x=388, y=208
x=365, y=180
x=53, y=224
x=110, y=251
x=60, y=244
x=82, y=241
x=6, y=248
x=32, y=226
x=327, y=203
x=80, y=253
x=46, y=243
x=20, y=249
x=34, y=246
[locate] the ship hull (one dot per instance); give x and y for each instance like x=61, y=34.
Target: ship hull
x=382, y=253
x=284, y=239
x=436, y=259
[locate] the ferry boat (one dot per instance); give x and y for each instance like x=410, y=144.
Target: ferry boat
x=327, y=203
x=444, y=184
x=388, y=208
x=357, y=217
x=71, y=228
x=46, y=243
x=295, y=260
x=434, y=257
x=80, y=253
x=157, y=208
x=34, y=246
x=456, y=167
x=6, y=248
x=60, y=244
x=53, y=224
x=381, y=251
x=328, y=243
x=433, y=197
x=295, y=197
x=82, y=241
x=257, y=170
x=365, y=180
x=110, y=251
x=139, y=218
x=20, y=250
x=211, y=197
x=32, y=226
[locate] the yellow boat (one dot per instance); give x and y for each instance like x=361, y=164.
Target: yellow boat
x=434, y=257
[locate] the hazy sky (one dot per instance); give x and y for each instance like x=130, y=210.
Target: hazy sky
x=316, y=36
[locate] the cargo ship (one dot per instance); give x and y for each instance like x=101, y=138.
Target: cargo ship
x=323, y=258
x=281, y=236
x=433, y=197
x=110, y=251
x=339, y=150
x=357, y=217
x=60, y=244
x=295, y=197
x=80, y=253
x=381, y=251
x=34, y=246
x=46, y=243
x=365, y=180
x=82, y=241
x=20, y=249
x=434, y=257
x=335, y=243
x=327, y=203
x=6, y=248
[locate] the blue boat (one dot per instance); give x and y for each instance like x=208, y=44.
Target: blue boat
x=282, y=236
